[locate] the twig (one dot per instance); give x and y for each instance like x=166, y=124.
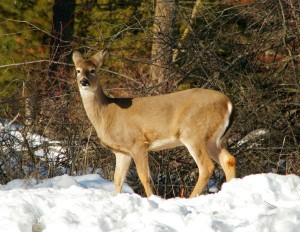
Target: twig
x=33, y=62
x=271, y=205
x=86, y=150
x=11, y=122
x=122, y=75
x=37, y=28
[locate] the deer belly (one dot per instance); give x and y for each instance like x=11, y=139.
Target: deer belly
x=164, y=144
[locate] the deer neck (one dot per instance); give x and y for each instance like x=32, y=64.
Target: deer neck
x=94, y=103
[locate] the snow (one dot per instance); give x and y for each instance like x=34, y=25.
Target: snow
x=264, y=202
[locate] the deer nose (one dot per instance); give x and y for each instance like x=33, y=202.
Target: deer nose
x=85, y=82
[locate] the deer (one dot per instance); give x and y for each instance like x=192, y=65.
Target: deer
x=197, y=118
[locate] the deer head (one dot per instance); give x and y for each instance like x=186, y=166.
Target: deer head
x=86, y=70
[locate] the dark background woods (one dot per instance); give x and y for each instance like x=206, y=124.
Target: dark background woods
x=249, y=50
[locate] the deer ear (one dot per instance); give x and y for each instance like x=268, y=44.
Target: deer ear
x=97, y=59
x=77, y=57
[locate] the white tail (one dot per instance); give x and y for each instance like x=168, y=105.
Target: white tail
x=195, y=118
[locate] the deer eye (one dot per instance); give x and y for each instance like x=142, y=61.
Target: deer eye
x=93, y=71
x=78, y=71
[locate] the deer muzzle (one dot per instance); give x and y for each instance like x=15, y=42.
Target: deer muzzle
x=85, y=82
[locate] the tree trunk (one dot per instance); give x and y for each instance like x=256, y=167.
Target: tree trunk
x=162, y=44
x=61, y=42
x=62, y=28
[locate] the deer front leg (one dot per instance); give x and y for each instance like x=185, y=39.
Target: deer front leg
x=122, y=165
x=140, y=157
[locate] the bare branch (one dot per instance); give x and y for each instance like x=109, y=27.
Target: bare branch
x=35, y=27
x=33, y=62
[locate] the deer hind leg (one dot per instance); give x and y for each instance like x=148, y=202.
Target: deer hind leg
x=225, y=159
x=122, y=165
x=228, y=163
x=140, y=157
x=205, y=166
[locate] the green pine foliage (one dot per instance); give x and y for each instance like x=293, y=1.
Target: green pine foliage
x=24, y=32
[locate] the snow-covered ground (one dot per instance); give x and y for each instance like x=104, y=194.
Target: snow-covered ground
x=265, y=202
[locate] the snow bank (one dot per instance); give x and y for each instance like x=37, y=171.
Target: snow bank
x=266, y=202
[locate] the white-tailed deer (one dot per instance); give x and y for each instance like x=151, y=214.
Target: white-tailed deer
x=130, y=127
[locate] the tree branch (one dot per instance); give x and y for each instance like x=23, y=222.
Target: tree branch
x=33, y=62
